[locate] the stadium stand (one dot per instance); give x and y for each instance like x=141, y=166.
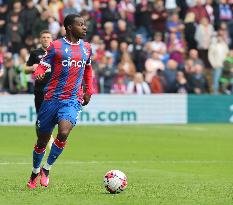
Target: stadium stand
x=141, y=47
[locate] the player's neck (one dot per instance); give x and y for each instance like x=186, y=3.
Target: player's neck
x=72, y=39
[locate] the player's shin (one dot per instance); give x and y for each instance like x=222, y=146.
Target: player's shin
x=56, y=150
x=38, y=154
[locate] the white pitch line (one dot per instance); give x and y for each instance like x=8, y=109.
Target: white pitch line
x=128, y=162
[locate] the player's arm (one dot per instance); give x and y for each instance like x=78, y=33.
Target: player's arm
x=30, y=69
x=31, y=64
x=45, y=63
x=88, y=80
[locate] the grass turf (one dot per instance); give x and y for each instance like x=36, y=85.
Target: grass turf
x=185, y=164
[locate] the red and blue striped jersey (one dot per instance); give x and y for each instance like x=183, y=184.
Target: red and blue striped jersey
x=70, y=64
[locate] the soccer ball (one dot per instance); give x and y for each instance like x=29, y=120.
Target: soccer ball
x=115, y=181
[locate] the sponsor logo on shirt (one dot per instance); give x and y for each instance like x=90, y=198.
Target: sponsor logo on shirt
x=74, y=63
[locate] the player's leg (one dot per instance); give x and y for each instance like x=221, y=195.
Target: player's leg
x=64, y=128
x=51, y=140
x=67, y=117
x=45, y=125
x=38, y=154
x=39, y=98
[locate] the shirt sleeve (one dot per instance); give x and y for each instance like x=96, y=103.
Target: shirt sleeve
x=89, y=59
x=31, y=60
x=46, y=61
x=88, y=80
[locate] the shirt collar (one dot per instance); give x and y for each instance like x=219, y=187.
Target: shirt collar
x=67, y=41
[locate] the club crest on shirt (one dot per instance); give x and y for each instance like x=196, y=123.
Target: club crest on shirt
x=85, y=51
x=66, y=50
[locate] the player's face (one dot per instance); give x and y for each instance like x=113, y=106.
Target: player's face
x=46, y=39
x=79, y=28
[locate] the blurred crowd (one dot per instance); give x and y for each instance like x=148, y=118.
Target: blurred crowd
x=139, y=47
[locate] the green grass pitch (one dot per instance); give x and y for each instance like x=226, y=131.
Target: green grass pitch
x=165, y=164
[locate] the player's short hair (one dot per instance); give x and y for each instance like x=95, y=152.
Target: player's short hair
x=45, y=31
x=69, y=19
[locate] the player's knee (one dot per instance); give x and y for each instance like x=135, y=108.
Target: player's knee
x=41, y=144
x=62, y=138
x=63, y=134
x=42, y=141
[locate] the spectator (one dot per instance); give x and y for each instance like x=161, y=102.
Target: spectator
x=143, y=18
x=174, y=25
x=119, y=86
x=42, y=6
x=3, y=21
x=127, y=9
x=53, y=26
x=199, y=79
x=1, y=67
x=69, y=8
x=17, y=9
x=188, y=72
x=159, y=46
x=30, y=43
x=210, y=10
x=138, y=28
x=181, y=84
x=170, y=75
x=26, y=84
x=29, y=15
x=138, y=85
x=115, y=51
x=95, y=42
x=123, y=48
x=111, y=13
x=226, y=80
x=97, y=15
x=153, y=64
x=203, y=36
x=138, y=53
x=159, y=17
x=107, y=73
x=123, y=34
x=81, y=6
x=55, y=9
x=101, y=51
x=158, y=83
x=200, y=11
x=193, y=55
x=170, y=6
x=192, y=3
x=182, y=8
x=40, y=24
x=109, y=34
x=10, y=78
x=15, y=34
x=176, y=49
x=127, y=66
x=223, y=12
x=224, y=32
x=189, y=30
x=217, y=53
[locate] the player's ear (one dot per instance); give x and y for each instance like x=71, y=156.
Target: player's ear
x=69, y=27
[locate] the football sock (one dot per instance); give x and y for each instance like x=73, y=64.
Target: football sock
x=56, y=150
x=33, y=175
x=38, y=154
x=46, y=171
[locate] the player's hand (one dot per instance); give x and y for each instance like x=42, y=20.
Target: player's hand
x=86, y=99
x=40, y=77
x=34, y=67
